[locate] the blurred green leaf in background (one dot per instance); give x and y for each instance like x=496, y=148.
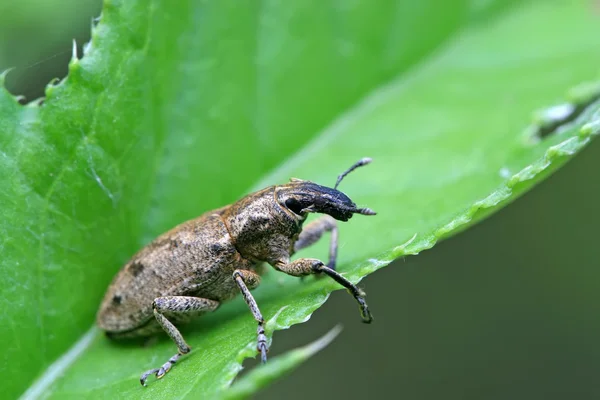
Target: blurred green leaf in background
x=174, y=110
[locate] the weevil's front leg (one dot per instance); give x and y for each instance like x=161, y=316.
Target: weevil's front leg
x=247, y=280
x=183, y=307
x=313, y=231
x=307, y=266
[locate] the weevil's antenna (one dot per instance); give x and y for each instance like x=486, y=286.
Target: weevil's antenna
x=363, y=211
x=359, y=163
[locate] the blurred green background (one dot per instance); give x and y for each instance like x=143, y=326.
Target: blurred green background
x=507, y=309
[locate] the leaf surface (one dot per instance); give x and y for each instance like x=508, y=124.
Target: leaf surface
x=176, y=110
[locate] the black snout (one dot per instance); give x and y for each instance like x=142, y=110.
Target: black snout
x=332, y=202
x=338, y=207
x=308, y=197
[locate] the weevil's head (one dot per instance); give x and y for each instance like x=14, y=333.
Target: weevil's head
x=302, y=197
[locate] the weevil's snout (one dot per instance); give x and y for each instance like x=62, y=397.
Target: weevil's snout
x=320, y=199
x=338, y=205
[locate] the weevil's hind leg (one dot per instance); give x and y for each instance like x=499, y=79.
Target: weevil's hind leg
x=181, y=308
x=313, y=231
x=247, y=280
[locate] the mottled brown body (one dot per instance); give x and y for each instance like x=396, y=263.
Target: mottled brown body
x=196, y=258
x=201, y=263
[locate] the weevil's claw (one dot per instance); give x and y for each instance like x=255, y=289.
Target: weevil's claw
x=146, y=374
x=160, y=372
x=262, y=346
x=367, y=318
x=263, y=353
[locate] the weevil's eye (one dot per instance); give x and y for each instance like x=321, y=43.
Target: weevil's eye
x=294, y=205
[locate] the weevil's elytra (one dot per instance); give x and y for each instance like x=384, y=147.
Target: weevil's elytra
x=193, y=268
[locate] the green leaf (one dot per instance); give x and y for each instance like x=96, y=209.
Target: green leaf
x=176, y=110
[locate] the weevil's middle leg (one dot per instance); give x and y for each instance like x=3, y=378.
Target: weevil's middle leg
x=181, y=307
x=314, y=230
x=247, y=280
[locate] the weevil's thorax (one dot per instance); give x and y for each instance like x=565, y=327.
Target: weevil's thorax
x=261, y=229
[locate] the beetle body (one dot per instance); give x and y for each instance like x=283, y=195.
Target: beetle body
x=196, y=258
x=194, y=267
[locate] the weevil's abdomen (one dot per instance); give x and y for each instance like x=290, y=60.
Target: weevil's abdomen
x=196, y=258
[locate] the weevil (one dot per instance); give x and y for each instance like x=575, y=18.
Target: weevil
x=193, y=268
